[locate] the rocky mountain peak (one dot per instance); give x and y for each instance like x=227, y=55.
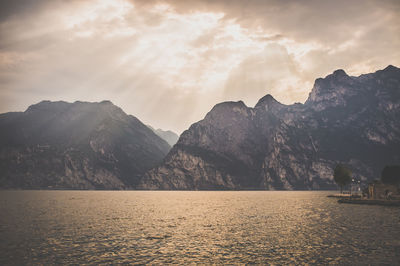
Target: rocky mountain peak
x=169, y=136
x=338, y=76
x=268, y=102
x=391, y=68
x=47, y=106
x=226, y=110
x=62, y=106
x=339, y=73
x=228, y=106
x=105, y=102
x=331, y=90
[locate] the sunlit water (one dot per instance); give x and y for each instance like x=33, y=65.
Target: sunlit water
x=53, y=227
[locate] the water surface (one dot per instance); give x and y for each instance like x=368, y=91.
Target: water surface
x=53, y=227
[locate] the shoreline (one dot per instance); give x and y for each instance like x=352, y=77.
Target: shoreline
x=370, y=202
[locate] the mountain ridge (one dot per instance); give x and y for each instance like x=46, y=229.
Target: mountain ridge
x=290, y=146
x=83, y=145
x=78, y=145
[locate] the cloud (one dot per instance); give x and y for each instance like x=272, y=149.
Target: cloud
x=324, y=21
x=272, y=71
x=168, y=61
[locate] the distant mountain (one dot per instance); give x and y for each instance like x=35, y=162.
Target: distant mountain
x=169, y=136
x=77, y=145
x=349, y=120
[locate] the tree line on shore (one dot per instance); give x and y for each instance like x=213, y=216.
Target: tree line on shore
x=343, y=175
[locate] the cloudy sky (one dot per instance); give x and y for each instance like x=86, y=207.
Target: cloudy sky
x=168, y=61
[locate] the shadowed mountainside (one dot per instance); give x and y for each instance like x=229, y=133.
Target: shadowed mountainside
x=77, y=145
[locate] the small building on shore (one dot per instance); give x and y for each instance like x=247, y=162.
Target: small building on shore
x=379, y=190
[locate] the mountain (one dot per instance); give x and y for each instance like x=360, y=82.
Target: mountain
x=169, y=136
x=349, y=120
x=77, y=145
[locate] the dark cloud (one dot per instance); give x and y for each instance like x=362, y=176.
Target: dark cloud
x=19, y=8
x=326, y=21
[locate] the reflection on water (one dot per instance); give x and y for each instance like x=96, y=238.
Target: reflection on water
x=50, y=227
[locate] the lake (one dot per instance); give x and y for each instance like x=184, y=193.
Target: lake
x=274, y=227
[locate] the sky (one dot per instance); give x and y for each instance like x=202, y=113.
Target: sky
x=168, y=62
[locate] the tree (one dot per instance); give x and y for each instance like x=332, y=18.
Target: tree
x=342, y=176
x=391, y=175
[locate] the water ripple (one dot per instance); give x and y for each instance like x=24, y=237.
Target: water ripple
x=143, y=227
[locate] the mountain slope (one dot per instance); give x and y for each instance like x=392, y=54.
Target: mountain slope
x=351, y=120
x=76, y=146
x=169, y=136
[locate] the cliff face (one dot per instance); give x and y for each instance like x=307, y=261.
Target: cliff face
x=76, y=146
x=350, y=120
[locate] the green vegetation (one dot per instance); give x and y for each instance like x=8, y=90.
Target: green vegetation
x=342, y=176
x=391, y=175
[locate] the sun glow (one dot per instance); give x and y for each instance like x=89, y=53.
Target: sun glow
x=184, y=56
x=191, y=52
x=90, y=15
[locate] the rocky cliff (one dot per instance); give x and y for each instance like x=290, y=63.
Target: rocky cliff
x=76, y=146
x=350, y=120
